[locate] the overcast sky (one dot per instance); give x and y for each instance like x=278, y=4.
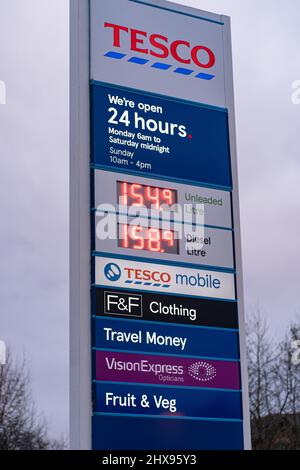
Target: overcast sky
x=34, y=176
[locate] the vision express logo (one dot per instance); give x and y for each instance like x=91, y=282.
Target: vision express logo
x=156, y=49
x=168, y=370
x=158, y=278
x=200, y=371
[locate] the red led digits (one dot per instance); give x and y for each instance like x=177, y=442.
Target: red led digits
x=168, y=195
x=136, y=233
x=168, y=235
x=124, y=194
x=136, y=237
x=135, y=194
x=151, y=197
x=125, y=236
x=155, y=240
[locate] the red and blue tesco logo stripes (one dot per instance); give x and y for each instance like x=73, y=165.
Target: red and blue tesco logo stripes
x=158, y=65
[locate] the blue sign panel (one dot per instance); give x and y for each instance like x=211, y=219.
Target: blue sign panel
x=151, y=135
x=168, y=402
x=123, y=433
x=130, y=335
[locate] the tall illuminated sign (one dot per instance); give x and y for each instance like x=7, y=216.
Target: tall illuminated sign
x=157, y=322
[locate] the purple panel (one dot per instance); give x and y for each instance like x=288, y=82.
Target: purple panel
x=140, y=368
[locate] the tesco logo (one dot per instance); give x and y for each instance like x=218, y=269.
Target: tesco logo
x=147, y=275
x=159, y=46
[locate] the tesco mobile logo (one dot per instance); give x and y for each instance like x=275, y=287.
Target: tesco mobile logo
x=145, y=277
x=159, y=277
x=112, y=272
x=158, y=46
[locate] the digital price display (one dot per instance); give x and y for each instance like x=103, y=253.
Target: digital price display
x=155, y=240
x=151, y=197
x=175, y=201
x=164, y=240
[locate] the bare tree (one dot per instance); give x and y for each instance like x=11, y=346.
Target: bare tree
x=21, y=428
x=273, y=386
x=292, y=374
x=261, y=365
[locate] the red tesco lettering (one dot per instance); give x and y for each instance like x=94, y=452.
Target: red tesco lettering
x=146, y=275
x=158, y=45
